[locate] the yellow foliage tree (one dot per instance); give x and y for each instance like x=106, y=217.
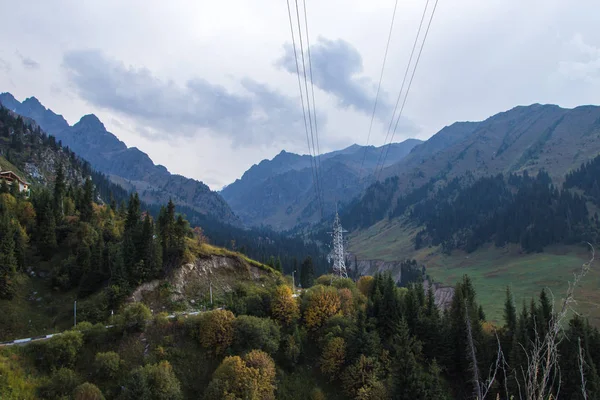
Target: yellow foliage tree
x=334, y=355
x=365, y=284
x=251, y=377
x=216, y=330
x=321, y=303
x=346, y=302
x=284, y=307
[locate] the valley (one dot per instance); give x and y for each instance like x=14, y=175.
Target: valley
x=491, y=269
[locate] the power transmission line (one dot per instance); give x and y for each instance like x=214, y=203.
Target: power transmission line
x=409, y=84
x=387, y=46
x=310, y=121
x=379, y=161
x=312, y=88
x=312, y=166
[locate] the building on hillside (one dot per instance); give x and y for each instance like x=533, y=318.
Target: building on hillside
x=11, y=178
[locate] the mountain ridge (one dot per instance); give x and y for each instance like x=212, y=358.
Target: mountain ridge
x=280, y=192
x=127, y=166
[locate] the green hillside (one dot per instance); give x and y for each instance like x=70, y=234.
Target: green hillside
x=491, y=269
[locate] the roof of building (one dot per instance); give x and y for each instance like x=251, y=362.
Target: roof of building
x=8, y=173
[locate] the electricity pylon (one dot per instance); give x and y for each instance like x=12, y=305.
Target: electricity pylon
x=337, y=253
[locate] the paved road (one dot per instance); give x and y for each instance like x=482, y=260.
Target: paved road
x=46, y=337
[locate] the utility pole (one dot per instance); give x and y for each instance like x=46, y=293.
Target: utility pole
x=293, y=282
x=210, y=288
x=337, y=253
x=75, y=313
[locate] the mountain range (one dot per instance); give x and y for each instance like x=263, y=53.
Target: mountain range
x=524, y=138
x=126, y=166
x=280, y=192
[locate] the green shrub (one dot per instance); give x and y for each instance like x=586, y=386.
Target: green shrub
x=87, y=391
x=134, y=317
x=59, y=351
x=153, y=381
x=107, y=365
x=61, y=383
x=255, y=333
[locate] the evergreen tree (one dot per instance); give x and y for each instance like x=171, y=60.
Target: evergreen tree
x=8, y=261
x=46, y=231
x=86, y=207
x=307, y=273
x=4, y=188
x=59, y=193
x=510, y=313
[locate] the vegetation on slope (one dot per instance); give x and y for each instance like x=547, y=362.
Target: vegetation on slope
x=338, y=340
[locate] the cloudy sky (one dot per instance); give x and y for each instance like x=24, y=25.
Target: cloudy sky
x=208, y=88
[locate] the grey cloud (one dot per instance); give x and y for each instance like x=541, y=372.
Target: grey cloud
x=337, y=67
x=27, y=62
x=4, y=65
x=586, y=67
x=252, y=117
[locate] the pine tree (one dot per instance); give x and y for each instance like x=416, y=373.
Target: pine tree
x=510, y=313
x=59, y=193
x=86, y=207
x=4, y=187
x=8, y=261
x=46, y=231
x=307, y=273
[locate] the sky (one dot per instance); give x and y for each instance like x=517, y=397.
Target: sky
x=209, y=88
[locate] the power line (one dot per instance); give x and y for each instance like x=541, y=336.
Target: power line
x=387, y=46
x=401, y=87
x=409, y=84
x=302, y=101
x=312, y=88
x=319, y=189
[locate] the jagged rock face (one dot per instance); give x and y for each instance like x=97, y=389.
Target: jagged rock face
x=128, y=167
x=280, y=192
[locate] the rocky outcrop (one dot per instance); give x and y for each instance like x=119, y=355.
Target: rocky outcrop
x=443, y=294
x=189, y=285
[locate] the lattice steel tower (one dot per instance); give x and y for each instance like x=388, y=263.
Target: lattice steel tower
x=337, y=253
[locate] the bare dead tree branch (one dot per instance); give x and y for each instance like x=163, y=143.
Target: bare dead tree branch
x=581, y=362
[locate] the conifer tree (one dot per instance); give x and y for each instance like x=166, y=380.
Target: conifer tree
x=59, y=193
x=86, y=208
x=307, y=273
x=46, y=231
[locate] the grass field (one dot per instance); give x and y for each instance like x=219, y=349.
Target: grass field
x=490, y=268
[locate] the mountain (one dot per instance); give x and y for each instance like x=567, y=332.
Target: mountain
x=129, y=167
x=524, y=138
x=280, y=192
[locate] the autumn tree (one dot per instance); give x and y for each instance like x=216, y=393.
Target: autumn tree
x=284, y=307
x=216, y=330
x=333, y=357
x=365, y=285
x=250, y=377
x=320, y=304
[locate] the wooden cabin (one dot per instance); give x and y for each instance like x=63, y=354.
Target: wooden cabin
x=11, y=178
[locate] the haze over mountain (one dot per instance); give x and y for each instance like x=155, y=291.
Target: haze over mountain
x=128, y=167
x=280, y=192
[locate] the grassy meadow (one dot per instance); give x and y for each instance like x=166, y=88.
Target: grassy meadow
x=490, y=268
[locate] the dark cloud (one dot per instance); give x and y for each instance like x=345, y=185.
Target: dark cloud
x=27, y=62
x=337, y=67
x=251, y=117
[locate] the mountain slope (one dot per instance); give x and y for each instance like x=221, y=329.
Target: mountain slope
x=523, y=138
x=280, y=192
x=128, y=167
